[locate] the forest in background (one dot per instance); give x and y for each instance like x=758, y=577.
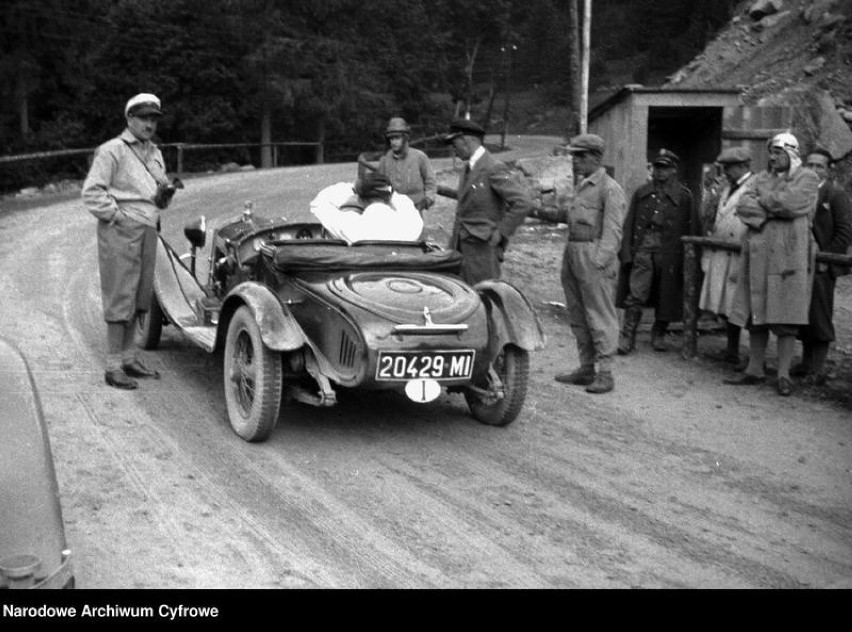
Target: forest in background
x=329, y=71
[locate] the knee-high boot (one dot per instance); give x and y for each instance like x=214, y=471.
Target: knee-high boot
x=627, y=335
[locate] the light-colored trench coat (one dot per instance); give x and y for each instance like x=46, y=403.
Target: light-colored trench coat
x=721, y=267
x=777, y=263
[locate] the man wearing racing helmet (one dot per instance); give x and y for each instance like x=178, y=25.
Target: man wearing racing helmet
x=778, y=255
x=408, y=169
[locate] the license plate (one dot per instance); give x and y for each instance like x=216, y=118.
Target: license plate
x=435, y=365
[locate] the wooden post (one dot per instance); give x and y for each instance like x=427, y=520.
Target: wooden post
x=690, y=302
x=180, y=159
x=584, y=90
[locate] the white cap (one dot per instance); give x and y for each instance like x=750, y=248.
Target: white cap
x=143, y=104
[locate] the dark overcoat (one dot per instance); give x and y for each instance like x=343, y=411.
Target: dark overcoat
x=833, y=224
x=678, y=216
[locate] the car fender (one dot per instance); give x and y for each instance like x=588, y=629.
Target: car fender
x=33, y=549
x=512, y=318
x=278, y=328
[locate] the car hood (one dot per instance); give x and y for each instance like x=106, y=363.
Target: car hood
x=403, y=297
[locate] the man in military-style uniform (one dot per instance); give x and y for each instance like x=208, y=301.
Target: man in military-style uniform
x=590, y=264
x=660, y=213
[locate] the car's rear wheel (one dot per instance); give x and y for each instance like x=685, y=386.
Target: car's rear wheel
x=149, y=326
x=252, y=379
x=512, y=366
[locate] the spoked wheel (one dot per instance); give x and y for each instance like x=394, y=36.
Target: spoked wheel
x=512, y=366
x=252, y=379
x=149, y=326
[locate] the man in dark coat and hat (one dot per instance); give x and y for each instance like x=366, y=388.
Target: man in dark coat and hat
x=660, y=213
x=492, y=203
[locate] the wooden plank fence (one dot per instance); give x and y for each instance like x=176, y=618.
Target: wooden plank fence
x=179, y=147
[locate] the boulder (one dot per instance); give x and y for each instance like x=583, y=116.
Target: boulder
x=817, y=122
x=816, y=9
x=760, y=9
x=551, y=180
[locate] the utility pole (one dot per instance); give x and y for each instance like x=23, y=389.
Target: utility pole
x=507, y=50
x=574, y=66
x=584, y=91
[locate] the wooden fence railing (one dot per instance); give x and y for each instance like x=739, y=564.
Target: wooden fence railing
x=181, y=148
x=693, y=247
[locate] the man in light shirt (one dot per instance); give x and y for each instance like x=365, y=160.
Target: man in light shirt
x=121, y=190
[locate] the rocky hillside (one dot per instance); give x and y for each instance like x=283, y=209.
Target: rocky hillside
x=788, y=52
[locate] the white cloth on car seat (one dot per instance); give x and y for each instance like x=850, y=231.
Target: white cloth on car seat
x=398, y=220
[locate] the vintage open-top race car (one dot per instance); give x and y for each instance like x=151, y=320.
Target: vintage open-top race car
x=299, y=314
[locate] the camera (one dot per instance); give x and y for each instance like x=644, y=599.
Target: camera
x=166, y=191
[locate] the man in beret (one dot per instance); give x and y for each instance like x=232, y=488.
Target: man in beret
x=660, y=213
x=590, y=264
x=492, y=203
x=721, y=267
x=120, y=191
x=408, y=169
x=832, y=229
x=774, y=286
x=368, y=210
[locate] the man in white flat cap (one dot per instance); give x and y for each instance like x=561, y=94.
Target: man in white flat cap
x=777, y=262
x=121, y=191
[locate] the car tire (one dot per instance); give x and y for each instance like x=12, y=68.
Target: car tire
x=253, y=379
x=149, y=326
x=513, y=367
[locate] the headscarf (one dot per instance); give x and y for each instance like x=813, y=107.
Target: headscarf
x=789, y=144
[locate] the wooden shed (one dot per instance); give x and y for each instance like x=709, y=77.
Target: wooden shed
x=636, y=122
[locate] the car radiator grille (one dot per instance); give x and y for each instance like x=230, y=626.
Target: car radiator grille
x=348, y=350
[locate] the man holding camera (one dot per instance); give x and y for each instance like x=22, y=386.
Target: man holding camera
x=125, y=189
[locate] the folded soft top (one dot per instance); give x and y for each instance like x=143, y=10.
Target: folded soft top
x=316, y=255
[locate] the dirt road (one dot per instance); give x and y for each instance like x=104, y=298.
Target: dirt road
x=673, y=480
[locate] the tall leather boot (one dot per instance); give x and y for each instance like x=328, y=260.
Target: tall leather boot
x=627, y=335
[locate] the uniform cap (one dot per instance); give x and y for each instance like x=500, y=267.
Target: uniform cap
x=143, y=104
x=733, y=156
x=463, y=127
x=587, y=142
x=397, y=125
x=666, y=158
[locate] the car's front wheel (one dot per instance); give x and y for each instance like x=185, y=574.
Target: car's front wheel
x=252, y=379
x=512, y=366
x=149, y=326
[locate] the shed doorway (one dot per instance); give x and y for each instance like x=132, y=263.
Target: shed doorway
x=693, y=133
